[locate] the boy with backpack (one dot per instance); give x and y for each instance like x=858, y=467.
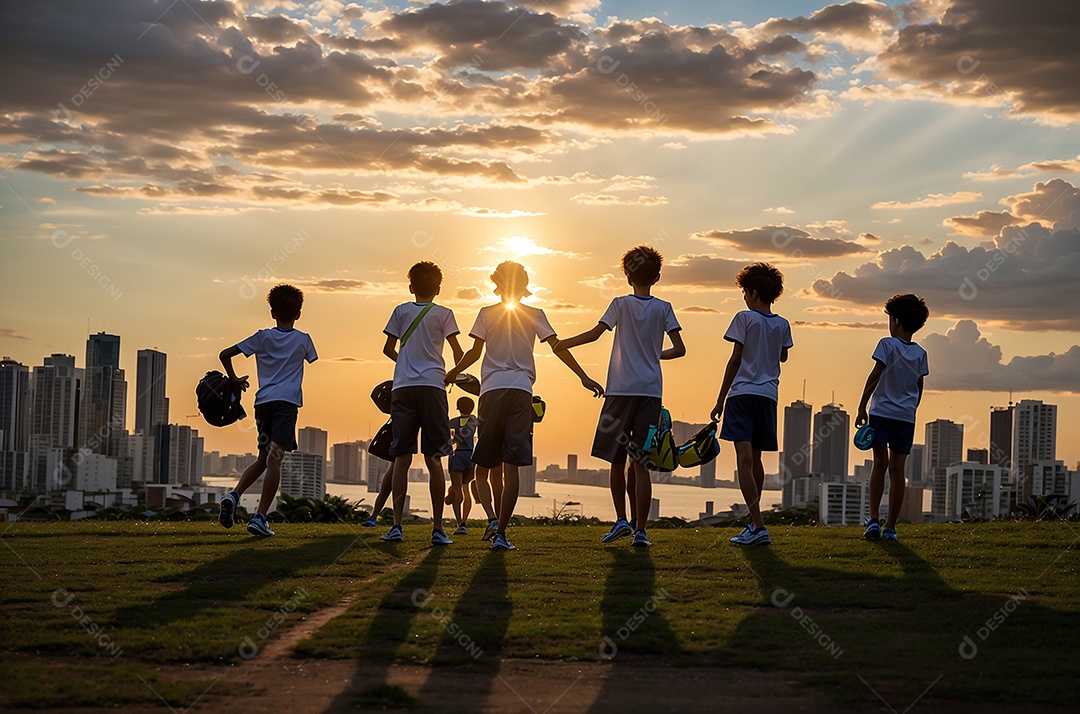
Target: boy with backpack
x=418, y=405
x=748, y=395
x=631, y=411
x=462, y=470
x=896, y=383
x=509, y=330
x=280, y=353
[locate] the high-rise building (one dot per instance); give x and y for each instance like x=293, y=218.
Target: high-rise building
x=978, y=456
x=1034, y=434
x=14, y=406
x=348, y=461
x=944, y=446
x=312, y=440
x=795, y=458
x=103, y=399
x=571, y=468
x=913, y=465
x=843, y=504
x=55, y=412
x=707, y=475
x=830, y=447
x=374, y=470
x=179, y=454
x=151, y=404
x=1001, y=419
x=1045, y=478
x=303, y=475
x=527, y=479
x=972, y=489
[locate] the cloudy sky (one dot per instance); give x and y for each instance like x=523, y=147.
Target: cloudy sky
x=165, y=163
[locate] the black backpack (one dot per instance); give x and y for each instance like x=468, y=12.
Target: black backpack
x=219, y=399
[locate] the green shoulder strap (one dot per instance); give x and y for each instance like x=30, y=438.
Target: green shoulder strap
x=415, y=322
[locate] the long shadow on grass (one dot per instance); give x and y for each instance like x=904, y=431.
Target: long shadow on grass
x=229, y=581
x=389, y=628
x=632, y=621
x=869, y=637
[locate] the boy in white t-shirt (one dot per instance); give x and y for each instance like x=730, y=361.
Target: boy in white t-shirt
x=896, y=383
x=415, y=334
x=634, y=386
x=280, y=353
x=509, y=331
x=749, y=392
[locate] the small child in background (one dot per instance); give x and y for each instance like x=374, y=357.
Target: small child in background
x=896, y=384
x=462, y=470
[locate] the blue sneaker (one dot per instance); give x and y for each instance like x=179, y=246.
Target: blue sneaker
x=227, y=509
x=257, y=526
x=641, y=540
x=873, y=530
x=492, y=527
x=438, y=537
x=461, y=530
x=889, y=534
x=620, y=529
x=370, y=523
x=501, y=543
x=394, y=535
x=752, y=536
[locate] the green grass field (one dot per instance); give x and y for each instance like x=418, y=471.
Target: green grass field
x=93, y=609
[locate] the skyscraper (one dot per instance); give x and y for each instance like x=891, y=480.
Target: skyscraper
x=103, y=400
x=14, y=406
x=348, y=459
x=795, y=459
x=1001, y=419
x=944, y=447
x=302, y=475
x=830, y=447
x=312, y=440
x=55, y=414
x=1034, y=434
x=151, y=404
x=913, y=466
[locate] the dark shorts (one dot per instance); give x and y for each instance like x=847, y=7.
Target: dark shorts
x=423, y=411
x=505, y=434
x=750, y=417
x=623, y=427
x=461, y=462
x=276, y=424
x=896, y=434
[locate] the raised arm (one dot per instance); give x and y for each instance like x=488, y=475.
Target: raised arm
x=584, y=338
x=226, y=357
x=466, y=361
x=455, y=347
x=677, y=349
x=871, y=385
x=568, y=359
x=734, y=362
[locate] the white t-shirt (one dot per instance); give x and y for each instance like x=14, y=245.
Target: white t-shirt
x=420, y=359
x=510, y=335
x=640, y=323
x=897, y=393
x=279, y=359
x=763, y=336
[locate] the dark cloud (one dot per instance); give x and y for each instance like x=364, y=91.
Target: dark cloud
x=964, y=360
x=851, y=18
x=468, y=293
x=699, y=310
x=782, y=242
x=701, y=272
x=1017, y=54
x=982, y=224
x=842, y=325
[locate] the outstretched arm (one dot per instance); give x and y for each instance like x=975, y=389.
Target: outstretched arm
x=677, y=349
x=584, y=338
x=734, y=362
x=226, y=357
x=467, y=360
x=455, y=347
x=871, y=385
x=568, y=359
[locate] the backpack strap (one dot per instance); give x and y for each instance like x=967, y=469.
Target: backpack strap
x=415, y=322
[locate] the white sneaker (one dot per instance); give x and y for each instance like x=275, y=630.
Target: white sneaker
x=750, y=536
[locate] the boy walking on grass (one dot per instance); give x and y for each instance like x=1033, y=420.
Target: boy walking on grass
x=748, y=395
x=509, y=331
x=414, y=341
x=280, y=353
x=634, y=386
x=896, y=383
x=462, y=470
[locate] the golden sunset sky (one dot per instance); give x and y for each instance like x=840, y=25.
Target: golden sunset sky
x=165, y=164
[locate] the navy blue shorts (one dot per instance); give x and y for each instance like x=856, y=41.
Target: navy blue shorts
x=897, y=435
x=276, y=424
x=461, y=462
x=419, y=411
x=750, y=417
x=505, y=435
x=623, y=426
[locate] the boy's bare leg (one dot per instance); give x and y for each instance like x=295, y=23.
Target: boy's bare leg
x=385, y=489
x=466, y=504
x=748, y=484
x=631, y=493
x=400, y=486
x=437, y=486
x=877, y=480
x=643, y=494
x=897, y=487
x=483, y=491
x=496, y=477
x=618, y=489
x=455, y=495
x=252, y=472
x=272, y=479
x=509, y=496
